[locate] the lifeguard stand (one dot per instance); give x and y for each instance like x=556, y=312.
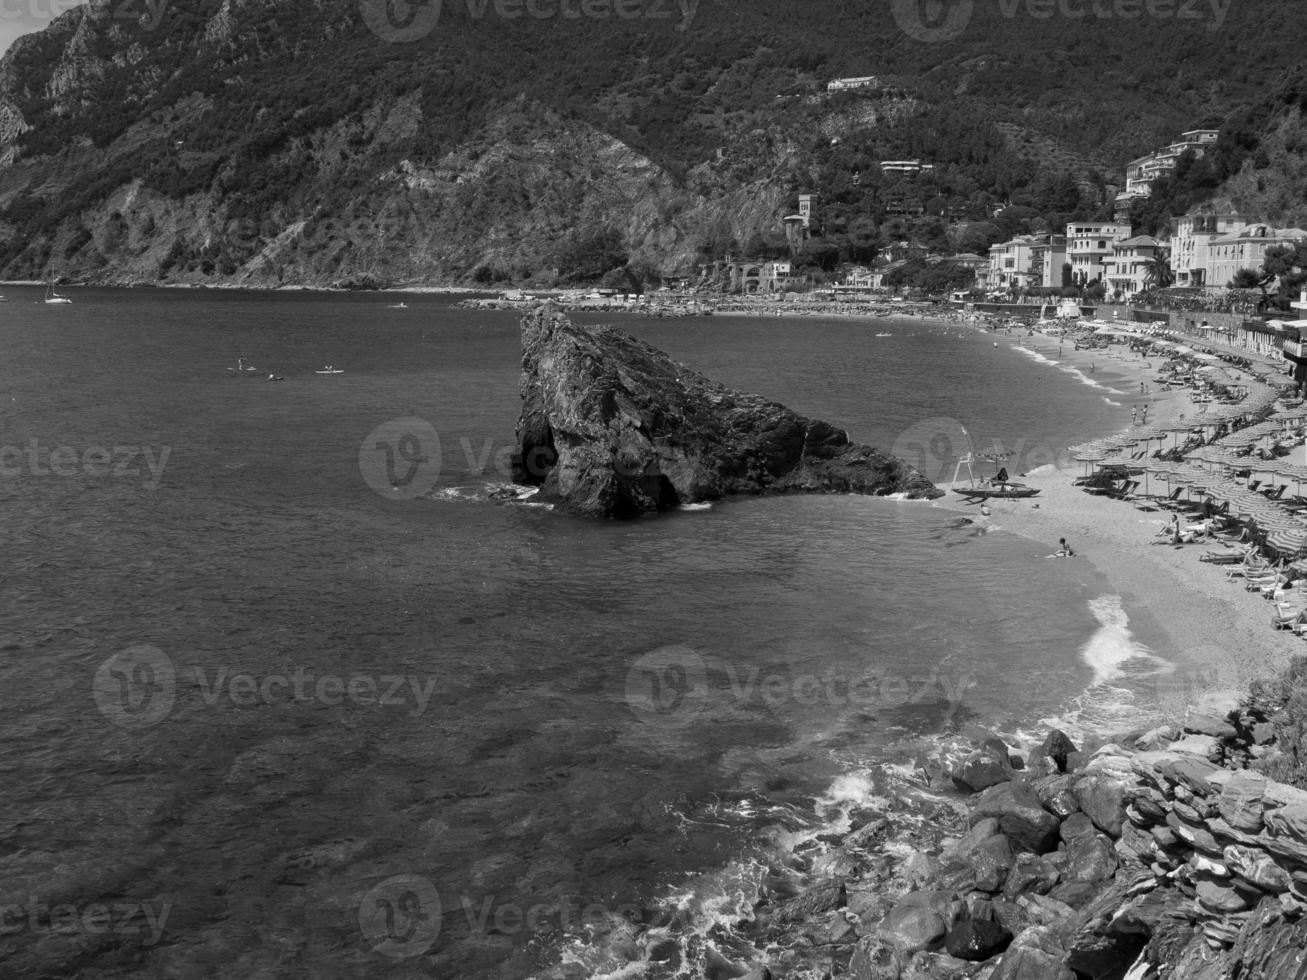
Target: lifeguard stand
x=966, y=461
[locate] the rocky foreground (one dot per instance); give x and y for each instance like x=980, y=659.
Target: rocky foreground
x=1156, y=856
x=612, y=427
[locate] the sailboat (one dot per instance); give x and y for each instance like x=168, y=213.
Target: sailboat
x=52, y=297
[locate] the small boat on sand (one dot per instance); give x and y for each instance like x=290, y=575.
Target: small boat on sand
x=999, y=487
x=1000, y=491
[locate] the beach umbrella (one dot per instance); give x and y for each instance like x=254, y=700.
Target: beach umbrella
x=1286, y=542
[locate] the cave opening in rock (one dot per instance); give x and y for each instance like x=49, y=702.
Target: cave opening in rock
x=535, y=457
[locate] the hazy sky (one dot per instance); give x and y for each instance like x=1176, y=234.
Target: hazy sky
x=24, y=16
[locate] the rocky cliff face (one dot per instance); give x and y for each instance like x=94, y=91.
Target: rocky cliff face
x=179, y=149
x=612, y=427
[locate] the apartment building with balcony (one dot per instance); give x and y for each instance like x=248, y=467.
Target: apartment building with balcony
x=1191, y=258
x=1089, y=244
x=1129, y=266
x=1010, y=264
x=1140, y=173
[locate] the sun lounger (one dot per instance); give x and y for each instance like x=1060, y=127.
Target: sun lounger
x=1284, y=619
x=1124, y=491
x=1152, y=501
x=1260, y=584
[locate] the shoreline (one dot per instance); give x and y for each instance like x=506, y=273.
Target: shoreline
x=1215, y=629
x=1014, y=857
x=252, y=287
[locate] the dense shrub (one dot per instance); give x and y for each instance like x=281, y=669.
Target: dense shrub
x=1289, y=763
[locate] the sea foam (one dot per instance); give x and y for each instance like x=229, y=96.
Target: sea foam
x=1075, y=372
x=1119, y=663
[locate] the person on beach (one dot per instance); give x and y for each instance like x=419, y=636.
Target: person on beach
x=1134, y=415
x=1145, y=415
x=1064, y=549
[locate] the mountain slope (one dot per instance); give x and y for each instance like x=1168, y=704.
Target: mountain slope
x=256, y=141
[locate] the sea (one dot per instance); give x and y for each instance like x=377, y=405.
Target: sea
x=295, y=684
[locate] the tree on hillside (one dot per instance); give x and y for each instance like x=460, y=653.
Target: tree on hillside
x=864, y=241
x=931, y=234
x=976, y=236
x=819, y=253
x=1157, y=271
x=1245, y=279
x=1055, y=193
x=585, y=256
x=767, y=245
x=945, y=277
x=1288, y=264
x=1015, y=221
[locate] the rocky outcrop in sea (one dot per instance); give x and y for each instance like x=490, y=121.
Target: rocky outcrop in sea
x=612, y=427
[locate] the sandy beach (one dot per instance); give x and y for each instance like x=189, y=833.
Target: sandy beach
x=1218, y=632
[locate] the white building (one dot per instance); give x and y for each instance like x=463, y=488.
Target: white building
x=1089, y=244
x=1129, y=265
x=1140, y=173
x=906, y=167
x=846, y=84
x=1246, y=249
x=1191, y=257
x=1012, y=264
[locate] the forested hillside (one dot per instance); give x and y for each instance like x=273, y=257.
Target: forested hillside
x=262, y=142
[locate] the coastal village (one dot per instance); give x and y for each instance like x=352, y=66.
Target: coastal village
x=1173, y=850
x=1207, y=279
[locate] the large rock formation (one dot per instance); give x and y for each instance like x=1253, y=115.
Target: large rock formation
x=612, y=427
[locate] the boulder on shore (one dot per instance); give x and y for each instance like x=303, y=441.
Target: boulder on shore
x=612, y=427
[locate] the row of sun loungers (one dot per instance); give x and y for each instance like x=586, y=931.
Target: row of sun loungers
x=1231, y=487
